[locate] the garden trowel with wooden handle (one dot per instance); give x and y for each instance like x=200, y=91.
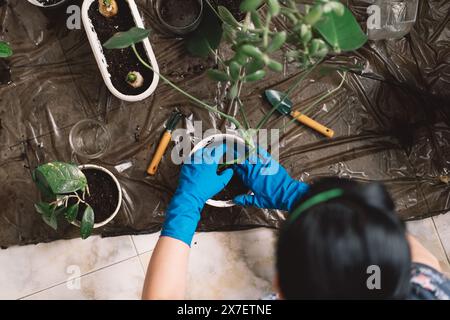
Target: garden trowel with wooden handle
x=164, y=142
x=277, y=98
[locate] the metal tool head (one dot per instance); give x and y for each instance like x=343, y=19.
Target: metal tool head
x=173, y=120
x=279, y=98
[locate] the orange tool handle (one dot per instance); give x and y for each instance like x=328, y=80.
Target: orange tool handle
x=162, y=147
x=312, y=124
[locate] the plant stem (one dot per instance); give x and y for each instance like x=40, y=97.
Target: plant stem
x=266, y=30
x=247, y=22
x=240, y=104
x=78, y=197
x=214, y=10
x=244, y=115
x=217, y=56
x=312, y=105
x=66, y=198
x=321, y=98
x=198, y=101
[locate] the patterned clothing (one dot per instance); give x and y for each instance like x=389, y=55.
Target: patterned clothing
x=426, y=284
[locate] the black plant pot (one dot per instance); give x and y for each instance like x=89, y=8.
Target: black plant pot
x=179, y=16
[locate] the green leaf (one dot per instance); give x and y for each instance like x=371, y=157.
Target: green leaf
x=314, y=15
x=207, y=36
x=71, y=212
x=87, y=223
x=250, y=5
x=275, y=65
x=254, y=65
x=233, y=91
x=126, y=39
x=274, y=7
x=43, y=187
x=277, y=41
x=240, y=58
x=305, y=33
x=343, y=32
x=217, y=75
x=47, y=212
x=246, y=38
x=318, y=48
x=5, y=50
x=227, y=16
x=235, y=70
x=198, y=46
x=251, y=51
x=60, y=177
x=258, y=75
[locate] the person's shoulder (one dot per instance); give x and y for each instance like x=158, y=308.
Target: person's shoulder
x=428, y=284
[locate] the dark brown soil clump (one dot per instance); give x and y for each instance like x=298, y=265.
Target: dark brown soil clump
x=103, y=195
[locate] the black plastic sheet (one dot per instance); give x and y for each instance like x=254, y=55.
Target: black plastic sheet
x=391, y=120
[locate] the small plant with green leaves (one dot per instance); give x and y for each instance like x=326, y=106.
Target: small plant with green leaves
x=5, y=50
x=64, y=188
x=311, y=32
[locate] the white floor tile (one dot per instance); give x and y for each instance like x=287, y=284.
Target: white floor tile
x=233, y=265
x=28, y=269
x=122, y=281
x=442, y=223
x=146, y=242
x=425, y=232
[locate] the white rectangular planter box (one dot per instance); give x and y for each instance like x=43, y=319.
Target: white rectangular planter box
x=100, y=58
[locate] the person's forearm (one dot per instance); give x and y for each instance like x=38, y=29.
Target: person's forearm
x=167, y=271
x=421, y=255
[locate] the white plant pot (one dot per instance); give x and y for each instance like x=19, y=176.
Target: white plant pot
x=101, y=60
x=209, y=141
x=38, y=4
x=119, y=189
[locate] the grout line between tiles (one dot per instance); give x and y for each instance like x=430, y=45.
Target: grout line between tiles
x=440, y=242
x=85, y=274
x=144, y=268
x=134, y=245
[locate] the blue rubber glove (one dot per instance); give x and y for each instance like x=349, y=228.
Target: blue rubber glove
x=198, y=182
x=272, y=186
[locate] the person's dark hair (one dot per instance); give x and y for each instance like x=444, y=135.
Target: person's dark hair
x=325, y=252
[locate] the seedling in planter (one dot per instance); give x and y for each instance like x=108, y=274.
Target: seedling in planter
x=5, y=50
x=135, y=79
x=59, y=183
x=311, y=33
x=108, y=8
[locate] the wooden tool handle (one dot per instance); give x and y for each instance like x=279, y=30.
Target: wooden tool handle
x=151, y=170
x=312, y=124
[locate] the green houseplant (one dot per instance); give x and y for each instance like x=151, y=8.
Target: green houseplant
x=311, y=33
x=59, y=182
x=87, y=196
